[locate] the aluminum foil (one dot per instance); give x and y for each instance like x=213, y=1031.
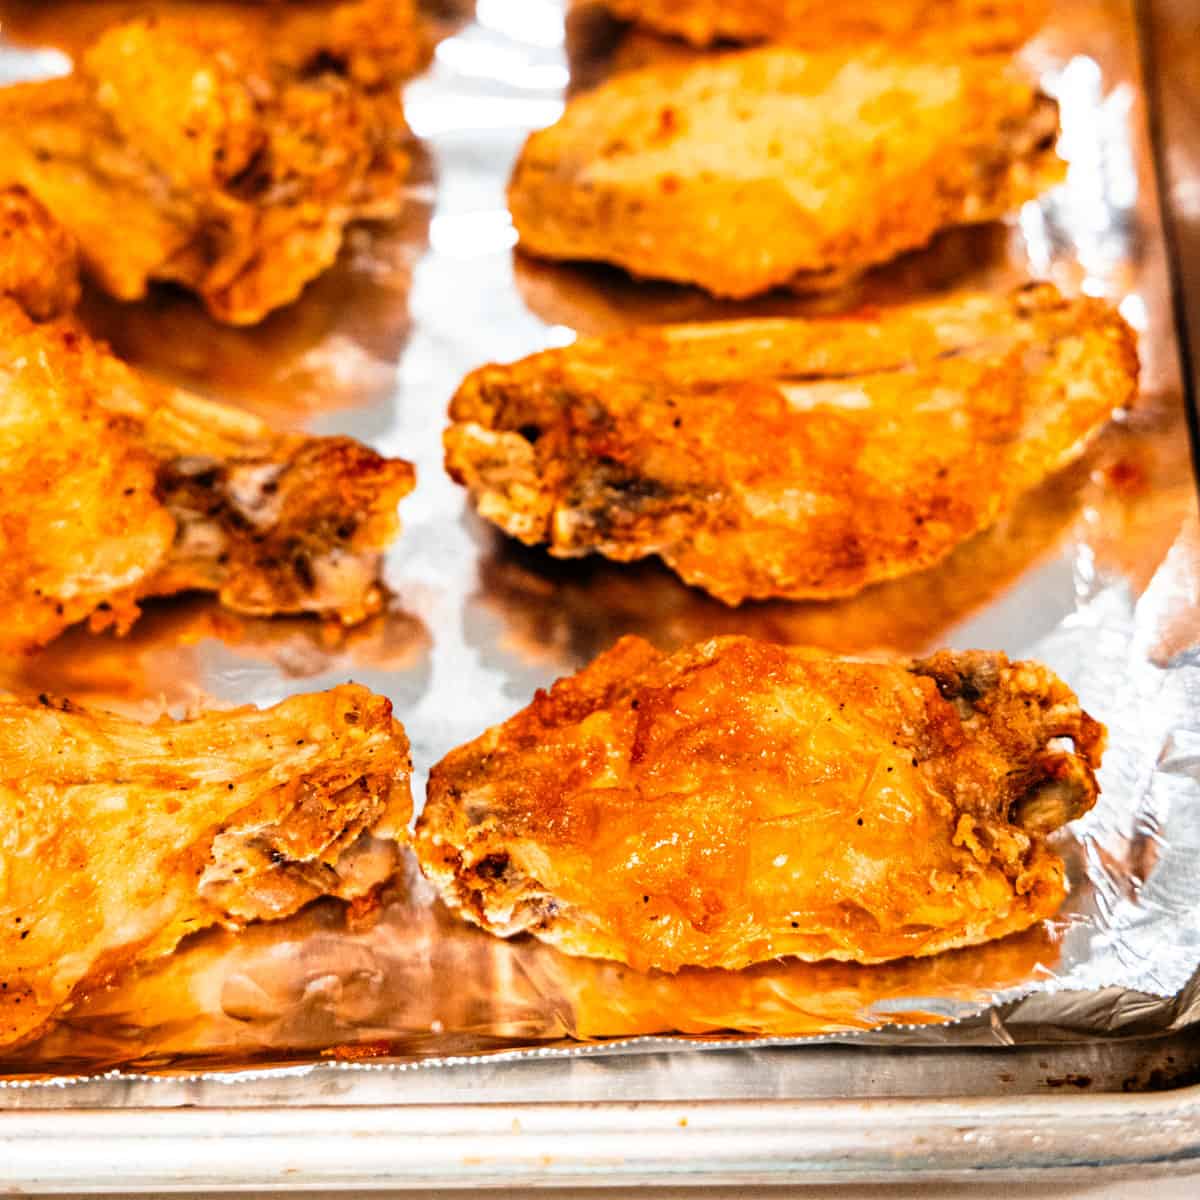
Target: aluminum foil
x=1097, y=573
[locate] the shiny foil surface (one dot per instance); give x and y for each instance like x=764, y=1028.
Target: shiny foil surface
x=1096, y=573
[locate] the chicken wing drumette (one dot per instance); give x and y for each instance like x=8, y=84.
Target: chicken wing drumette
x=119, y=838
x=740, y=801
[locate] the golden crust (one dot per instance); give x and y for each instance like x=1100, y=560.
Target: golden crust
x=792, y=458
x=39, y=264
x=119, y=839
x=115, y=488
x=272, y=522
x=203, y=151
x=744, y=172
x=81, y=525
x=740, y=801
x=980, y=25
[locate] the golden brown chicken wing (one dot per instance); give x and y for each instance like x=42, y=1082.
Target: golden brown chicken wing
x=774, y=167
x=740, y=801
x=121, y=838
x=226, y=153
x=792, y=458
x=113, y=488
x=976, y=24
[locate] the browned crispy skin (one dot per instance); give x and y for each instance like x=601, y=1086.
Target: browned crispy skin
x=39, y=263
x=390, y=33
x=113, y=488
x=740, y=801
x=224, y=152
x=272, y=522
x=119, y=838
x=792, y=458
x=776, y=167
x=980, y=25
x=81, y=525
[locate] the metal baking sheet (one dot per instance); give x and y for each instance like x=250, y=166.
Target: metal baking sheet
x=817, y=1114
x=1096, y=573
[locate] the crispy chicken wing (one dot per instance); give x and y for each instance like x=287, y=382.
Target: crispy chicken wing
x=774, y=167
x=976, y=24
x=226, y=153
x=119, y=839
x=792, y=458
x=740, y=801
x=113, y=488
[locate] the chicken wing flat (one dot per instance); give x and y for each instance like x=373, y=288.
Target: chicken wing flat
x=119, y=838
x=776, y=167
x=114, y=488
x=977, y=24
x=791, y=458
x=740, y=801
x=225, y=153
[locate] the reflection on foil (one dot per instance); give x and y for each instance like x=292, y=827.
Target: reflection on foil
x=551, y=610
x=597, y=299
x=371, y=984
x=335, y=348
x=1097, y=572
x=469, y=57
x=20, y=65
x=164, y=663
x=534, y=22
x=467, y=235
